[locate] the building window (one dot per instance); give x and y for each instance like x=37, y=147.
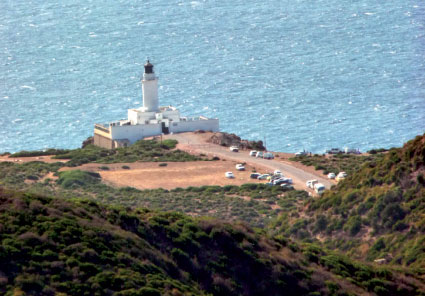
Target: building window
x=174, y=124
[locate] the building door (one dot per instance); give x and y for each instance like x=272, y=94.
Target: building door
x=165, y=129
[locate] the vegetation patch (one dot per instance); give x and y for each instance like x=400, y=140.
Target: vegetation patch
x=77, y=178
x=143, y=150
x=375, y=213
x=45, y=152
x=51, y=246
x=336, y=163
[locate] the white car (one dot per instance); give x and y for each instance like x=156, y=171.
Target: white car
x=240, y=167
x=287, y=186
x=277, y=173
x=253, y=153
x=287, y=180
x=301, y=153
x=282, y=181
x=268, y=155
x=229, y=175
x=341, y=176
x=263, y=177
x=310, y=183
x=259, y=154
x=234, y=148
x=331, y=176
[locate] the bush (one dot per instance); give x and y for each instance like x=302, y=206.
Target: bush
x=163, y=164
x=72, y=178
x=391, y=214
x=378, y=245
x=400, y=226
x=421, y=180
x=39, y=153
x=353, y=225
x=321, y=223
x=125, y=167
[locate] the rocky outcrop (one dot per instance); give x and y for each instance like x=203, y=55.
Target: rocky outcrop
x=227, y=140
x=88, y=141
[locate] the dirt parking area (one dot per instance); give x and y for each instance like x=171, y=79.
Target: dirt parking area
x=150, y=175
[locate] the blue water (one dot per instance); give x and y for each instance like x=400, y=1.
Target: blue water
x=297, y=74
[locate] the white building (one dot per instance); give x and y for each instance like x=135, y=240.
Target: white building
x=149, y=120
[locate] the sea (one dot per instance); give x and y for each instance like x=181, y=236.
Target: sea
x=295, y=74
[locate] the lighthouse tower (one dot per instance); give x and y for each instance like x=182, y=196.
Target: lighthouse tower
x=150, y=89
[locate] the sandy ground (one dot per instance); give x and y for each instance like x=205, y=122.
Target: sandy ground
x=149, y=175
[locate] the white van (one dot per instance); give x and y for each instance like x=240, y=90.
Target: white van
x=319, y=188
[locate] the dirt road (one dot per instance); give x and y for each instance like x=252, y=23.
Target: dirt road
x=196, y=143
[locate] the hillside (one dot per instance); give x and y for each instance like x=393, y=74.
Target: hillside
x=78, y=247
x=376, y=213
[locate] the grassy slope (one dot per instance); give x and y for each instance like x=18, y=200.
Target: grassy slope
x=143, y=150
x=49, y=245
x=336, y=163
x=378, y=212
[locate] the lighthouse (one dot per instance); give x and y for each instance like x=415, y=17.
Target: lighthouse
x=149, y=120
x=150, y=89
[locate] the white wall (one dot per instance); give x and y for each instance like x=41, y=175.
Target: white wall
x=135, y=132
x=138, y=117
x=191, y=126
x=150, y=94
x=172, y=114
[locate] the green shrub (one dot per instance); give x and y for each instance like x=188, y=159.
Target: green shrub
x=353, y=225
x=39, y=153
x=68, y=179
x=321, y=223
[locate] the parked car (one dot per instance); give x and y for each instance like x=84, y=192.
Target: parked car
x=253, y=153
x=341, y=176
x=351, y=151
x=310, y=183
x=301, y=153
x=319, y=188
x=263, y=177
x=268, y=155
x=259, y=154
x=234, y=148
x=277, y=173
x=278, y=182
x=331, y=176
x=229, y=175
x=240, y=167
x=287, y=180
x=254, y=175
x=334, y=151
x=287, y=186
